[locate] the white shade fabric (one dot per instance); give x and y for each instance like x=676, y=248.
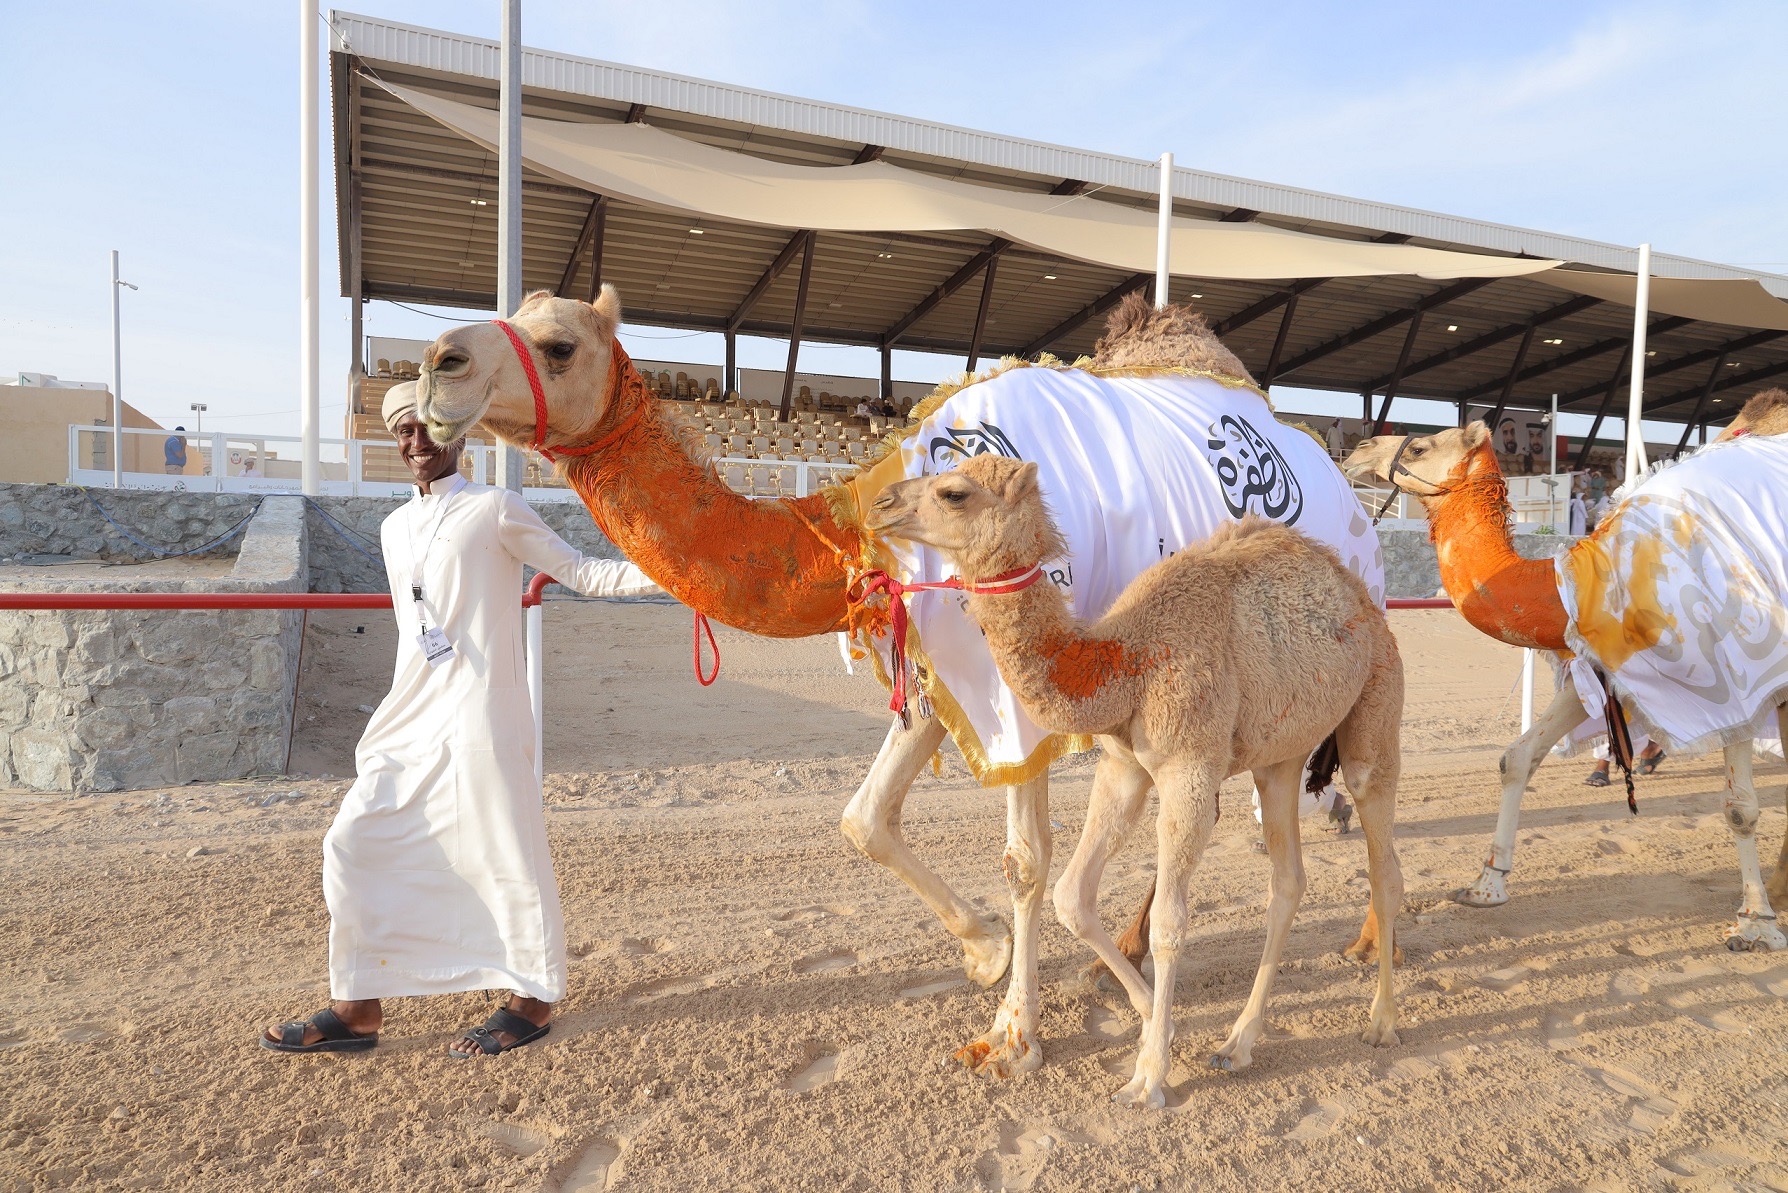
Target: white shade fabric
x=1737, y=302
x=654, y=168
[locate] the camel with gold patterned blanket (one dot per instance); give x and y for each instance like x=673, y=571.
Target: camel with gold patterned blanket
x=1677, y=598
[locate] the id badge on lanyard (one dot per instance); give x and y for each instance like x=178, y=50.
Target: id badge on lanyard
x=435, y=647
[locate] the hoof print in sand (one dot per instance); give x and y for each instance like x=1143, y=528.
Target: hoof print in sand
x=818, y=1067
x=1320, y=1118
x=514, y=1138
x=826, y=962
x=927, y=989
x=596, y=1167
x=813, y=914
x=1018, y=1160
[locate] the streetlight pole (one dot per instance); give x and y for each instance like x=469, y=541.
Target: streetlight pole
x=199, y=408
x=509, y=203
x=117, y=380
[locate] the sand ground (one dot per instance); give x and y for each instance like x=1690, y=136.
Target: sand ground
x=755, y=1006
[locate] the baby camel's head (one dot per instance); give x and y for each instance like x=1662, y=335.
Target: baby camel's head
x=987, y=516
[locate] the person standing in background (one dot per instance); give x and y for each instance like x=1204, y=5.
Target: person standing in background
x=173, y=452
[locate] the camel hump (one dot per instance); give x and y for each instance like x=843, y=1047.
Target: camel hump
x=1137, y=336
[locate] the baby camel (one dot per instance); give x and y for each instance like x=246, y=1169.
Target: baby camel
x=1242, y=653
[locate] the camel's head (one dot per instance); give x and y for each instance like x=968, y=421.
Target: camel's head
x=1430, y=465
x=987, y=516
x=473, y=375
x=1765, y=414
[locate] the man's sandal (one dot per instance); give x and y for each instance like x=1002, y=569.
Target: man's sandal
x=1597, y=778
x=1649, y=766
x=501, y=1019
x=337, y=1036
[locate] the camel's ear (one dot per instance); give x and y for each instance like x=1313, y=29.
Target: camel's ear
x=1476, y=434
x=531, y=298
x=608, y=309
x=1021, y=483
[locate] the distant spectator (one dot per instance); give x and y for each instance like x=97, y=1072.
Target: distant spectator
x=1335, y=440
x=1598, y=486
x=863, y=410
x=173, y=451
x=1579, y=514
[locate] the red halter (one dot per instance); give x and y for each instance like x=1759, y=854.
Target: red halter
x=1016, y=580
x=617, y=358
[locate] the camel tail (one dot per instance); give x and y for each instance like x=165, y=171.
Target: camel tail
x=1322, y=765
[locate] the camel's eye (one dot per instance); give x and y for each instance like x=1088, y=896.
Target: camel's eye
x=560, y=351
x=1416, y=449
x=952, y=496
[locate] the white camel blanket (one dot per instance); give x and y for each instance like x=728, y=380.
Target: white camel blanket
x=1133, y=469
x=1681, y=597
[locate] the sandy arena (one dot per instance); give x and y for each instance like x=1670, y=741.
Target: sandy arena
x=754, y=1006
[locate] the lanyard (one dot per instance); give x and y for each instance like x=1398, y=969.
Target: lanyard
x=421, y=557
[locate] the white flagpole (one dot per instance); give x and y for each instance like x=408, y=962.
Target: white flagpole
x=1636, y=387
x=509, y=204
x=1164, y=232
x=310, y=469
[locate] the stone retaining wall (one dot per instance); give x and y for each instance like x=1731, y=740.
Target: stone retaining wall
x=335, y=566
x=1411, y=569
x=62, y=520
x=105, y=701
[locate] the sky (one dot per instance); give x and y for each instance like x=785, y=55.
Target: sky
x=170, y=132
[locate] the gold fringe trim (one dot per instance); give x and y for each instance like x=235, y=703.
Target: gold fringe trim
x=962, y=731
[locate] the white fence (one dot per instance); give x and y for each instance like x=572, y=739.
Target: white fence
x=373, y=468
x=355, y=467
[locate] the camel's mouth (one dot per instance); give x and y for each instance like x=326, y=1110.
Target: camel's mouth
x=445, y=424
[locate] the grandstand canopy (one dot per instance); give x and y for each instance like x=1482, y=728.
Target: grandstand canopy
x=416, y=187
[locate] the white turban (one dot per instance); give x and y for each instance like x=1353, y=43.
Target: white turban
x=400, y=400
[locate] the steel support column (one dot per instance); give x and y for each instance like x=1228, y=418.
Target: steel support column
x=955, y=282
x=795, y=244
x=1272, y=369
x=1390, y=391
x=584, y=234
x=1701, y=403
x=729, y=380
x=1607, y=401
x=887, y=373
x=794, y=336
x=987, y=279
x=1508, y=384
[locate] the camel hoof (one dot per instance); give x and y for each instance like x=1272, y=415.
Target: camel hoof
x=1142, y=1093
x=1755, y=934
x=1001, y=1055
x=1490, y=890
x=1381, y=1037
x=1366, y=952
x=1223, y=1063
x=985, y=959
x=1098, y=977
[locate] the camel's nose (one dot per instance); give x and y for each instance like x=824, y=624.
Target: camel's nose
x=448, y=356
x=885, y=500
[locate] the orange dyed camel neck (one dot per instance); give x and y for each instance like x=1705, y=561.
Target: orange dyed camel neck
x=1068, y=679
x=1501, y=593
x=758, y=566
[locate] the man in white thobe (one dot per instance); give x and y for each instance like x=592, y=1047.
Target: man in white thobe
x=436, y=870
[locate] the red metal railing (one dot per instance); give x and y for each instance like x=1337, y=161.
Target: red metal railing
x=336, y=600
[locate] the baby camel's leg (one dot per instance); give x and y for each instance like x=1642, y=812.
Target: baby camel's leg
x=1778, y=882
x=872, y=822
x=1188, y=804
x=1518, y=764
x=1120, y=788
x=1278, y=785
x=1011, y=1047
x=1372, y=757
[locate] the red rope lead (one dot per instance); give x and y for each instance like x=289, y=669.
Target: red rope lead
x=701, y=627
x=1016, y=580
